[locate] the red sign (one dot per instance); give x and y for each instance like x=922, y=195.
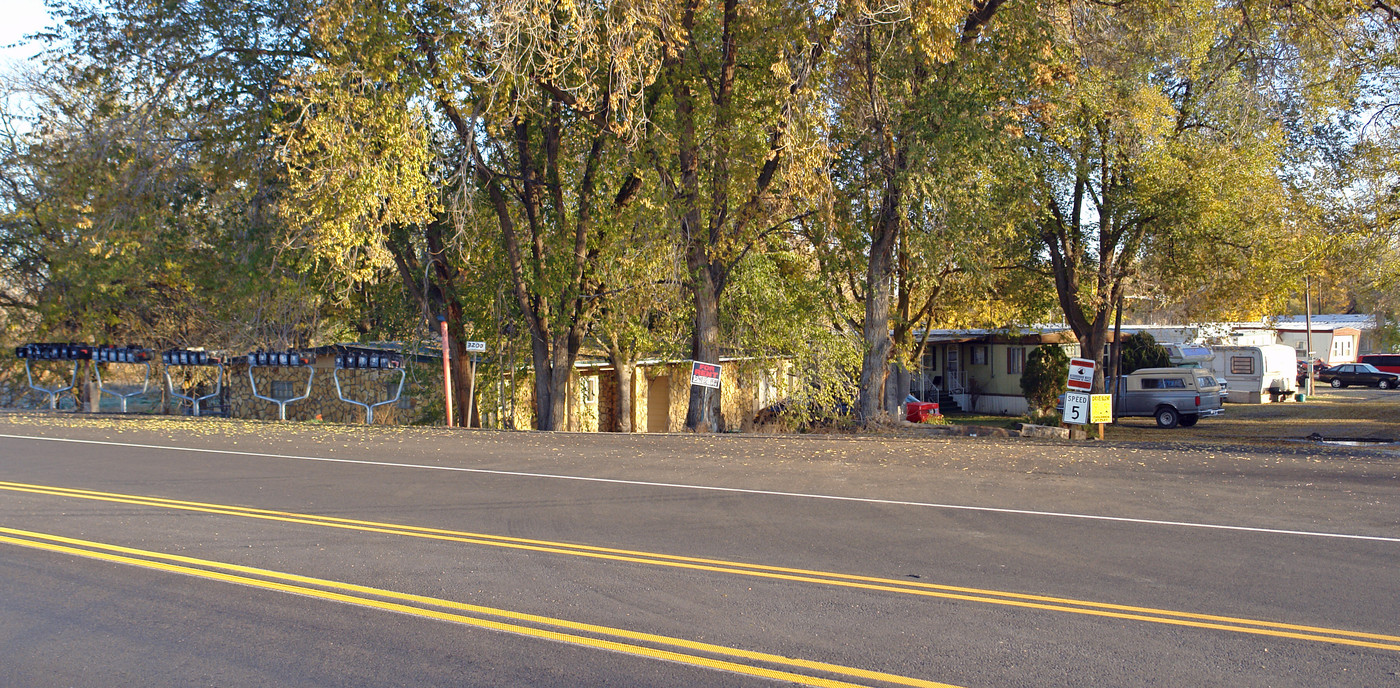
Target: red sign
x=705, y=375
x=1081, y=374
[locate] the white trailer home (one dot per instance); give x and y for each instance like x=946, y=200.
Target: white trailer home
x=1257, y=374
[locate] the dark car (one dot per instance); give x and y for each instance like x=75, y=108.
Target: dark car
x=1358, y=374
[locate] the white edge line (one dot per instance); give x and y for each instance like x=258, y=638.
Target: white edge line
x=734, y=490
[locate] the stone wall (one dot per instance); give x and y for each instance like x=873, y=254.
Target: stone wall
x=367, y=386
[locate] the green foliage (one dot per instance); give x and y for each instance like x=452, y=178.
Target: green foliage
x=1044, y=376
x=1141, y=350
x=295, y=172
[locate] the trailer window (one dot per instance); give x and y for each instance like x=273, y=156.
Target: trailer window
x=1241, y=365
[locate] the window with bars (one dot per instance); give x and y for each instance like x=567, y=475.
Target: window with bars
x=283, y=389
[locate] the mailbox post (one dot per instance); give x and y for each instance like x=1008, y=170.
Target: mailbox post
x=193, y=357
x=125, y=355
x=53, y=352
x=361, y=359
x=282, y=359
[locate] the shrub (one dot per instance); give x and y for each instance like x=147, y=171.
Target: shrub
x=1043, y=379
x=1141, y=350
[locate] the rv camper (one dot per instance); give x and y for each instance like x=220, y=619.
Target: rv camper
x=1189, y=355
x=1257, y=374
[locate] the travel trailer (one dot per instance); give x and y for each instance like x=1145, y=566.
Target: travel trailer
x=1257, y=374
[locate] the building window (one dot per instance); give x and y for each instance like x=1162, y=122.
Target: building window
x=1015, y=359
x=979, y=355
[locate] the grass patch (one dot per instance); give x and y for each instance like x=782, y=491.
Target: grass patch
x=1358, y=413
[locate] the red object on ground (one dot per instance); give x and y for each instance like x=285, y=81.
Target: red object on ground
x=918, y=411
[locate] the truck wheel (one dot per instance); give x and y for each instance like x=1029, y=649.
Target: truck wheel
x=1167, y=417
x=1337, y=383
x=1383, y=384
x=1189, y=420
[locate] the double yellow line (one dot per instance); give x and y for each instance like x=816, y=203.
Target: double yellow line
x=559, y=630
x=917, y=588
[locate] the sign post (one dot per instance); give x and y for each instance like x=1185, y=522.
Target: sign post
x=473, y=348
x=1101, y=410
x=1081, y=374
x=1077, y=408
x=1078, y=404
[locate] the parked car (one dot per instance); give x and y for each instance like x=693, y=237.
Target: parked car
x=1386, y=363
x=1358, y=374
x=1173, y=396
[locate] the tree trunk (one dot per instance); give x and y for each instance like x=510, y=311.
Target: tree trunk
x=622, y=409
x=874, y=365
x=703, y=414
x=544, y=391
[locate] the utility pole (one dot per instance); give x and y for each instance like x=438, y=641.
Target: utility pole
x=1307, y=319
x=446, y=371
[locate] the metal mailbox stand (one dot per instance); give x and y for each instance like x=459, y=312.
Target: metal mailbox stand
x=281, y=403
x=52, y=393
x=195, y=400
x=145, y=385
x=369, y=408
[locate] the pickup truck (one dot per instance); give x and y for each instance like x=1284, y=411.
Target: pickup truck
x=1174, y=396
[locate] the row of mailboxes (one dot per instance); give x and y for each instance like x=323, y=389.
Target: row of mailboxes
x=281, y=358
x=362, y=358
x=54, y=352
x=346, y=359
x=83, y=352
x=350, y=359
x=192, y=357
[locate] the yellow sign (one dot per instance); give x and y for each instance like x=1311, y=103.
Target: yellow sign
x=1100, y=408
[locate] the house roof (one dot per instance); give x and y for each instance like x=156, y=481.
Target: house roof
x=1326, y=321
x=605, y=364
x=1002, y=335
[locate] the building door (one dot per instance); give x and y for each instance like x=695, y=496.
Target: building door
x=659, y=404
x=953, y=383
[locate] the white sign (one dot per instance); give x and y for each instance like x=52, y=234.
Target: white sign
x=1081, y=374
x=1076, y=408
x=474, y=346
x=705, y=375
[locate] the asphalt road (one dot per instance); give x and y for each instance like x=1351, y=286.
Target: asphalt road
x=188, y=552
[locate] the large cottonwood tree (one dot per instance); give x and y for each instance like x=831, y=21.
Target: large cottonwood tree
x=731, y=140
x=1163, y=150
x=423, y=116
